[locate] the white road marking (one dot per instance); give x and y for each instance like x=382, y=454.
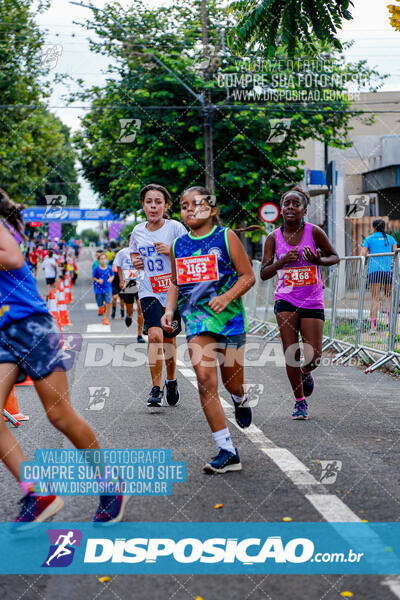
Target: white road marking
x=187, y=372
x=113, y=336
x=291, y=466
x=97, y=328
x=393, y=583
x=91, y=306
x=332, y=508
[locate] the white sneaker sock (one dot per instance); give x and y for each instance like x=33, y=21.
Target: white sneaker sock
x=223, y=440
x=239, y=399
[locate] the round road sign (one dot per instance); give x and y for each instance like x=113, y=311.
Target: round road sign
x=269, y=212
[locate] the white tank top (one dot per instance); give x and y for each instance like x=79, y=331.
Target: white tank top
x=155, y=279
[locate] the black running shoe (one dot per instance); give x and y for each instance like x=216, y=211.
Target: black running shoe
x=172, y=392
x=156, y=397
x=243, y=413
x=308, y=383
x=140, y=339
x=128, y=321
x=113, y=311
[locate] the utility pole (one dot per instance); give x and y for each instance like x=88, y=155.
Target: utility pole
x=208, y=107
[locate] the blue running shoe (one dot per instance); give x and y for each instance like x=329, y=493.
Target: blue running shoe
x=36, y=509
x=243, y=413
x=308, y=383
x=300, y=410
x=110, y=510
x=172, y=395
x=223, y=462
x=156, y=397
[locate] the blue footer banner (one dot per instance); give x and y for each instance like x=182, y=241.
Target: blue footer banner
x=201, y=548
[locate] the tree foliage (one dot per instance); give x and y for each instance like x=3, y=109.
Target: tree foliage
x=36, y=156
x=294, y=23
x=166, y=142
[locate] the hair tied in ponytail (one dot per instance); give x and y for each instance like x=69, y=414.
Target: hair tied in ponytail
x=380, y=226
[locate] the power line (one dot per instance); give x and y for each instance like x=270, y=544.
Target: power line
x=268, y=107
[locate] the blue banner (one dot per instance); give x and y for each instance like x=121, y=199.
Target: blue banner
x=67, y=214
x=201, y=548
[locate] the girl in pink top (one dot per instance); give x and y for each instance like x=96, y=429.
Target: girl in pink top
x=299, y=248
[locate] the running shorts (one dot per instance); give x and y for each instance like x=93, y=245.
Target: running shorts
x=130, y=292
x=224, y=341
x=383, y=277
x=304, y=313
x=153, y=310
x=35, y=345
x=105, y=297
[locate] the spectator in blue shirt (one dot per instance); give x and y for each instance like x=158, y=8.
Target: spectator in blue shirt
x=103, y=276
x=379, y=268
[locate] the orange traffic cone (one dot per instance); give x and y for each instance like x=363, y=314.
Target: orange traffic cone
x=67, y=287
x=52, y=306
x=62, y=309
x=13, y=408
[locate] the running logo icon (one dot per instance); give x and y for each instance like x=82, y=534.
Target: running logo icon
x=329, y=471
x=62, y=547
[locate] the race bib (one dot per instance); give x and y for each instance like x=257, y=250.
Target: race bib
x=197, y=269
x=130, y=273
x=300, y=276
x=160, y=283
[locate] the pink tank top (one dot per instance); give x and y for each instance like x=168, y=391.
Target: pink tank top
x=299, y=282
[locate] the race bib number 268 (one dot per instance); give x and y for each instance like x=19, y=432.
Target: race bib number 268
x=300, y=276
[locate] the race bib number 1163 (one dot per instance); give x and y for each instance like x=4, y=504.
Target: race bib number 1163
x=197, y=269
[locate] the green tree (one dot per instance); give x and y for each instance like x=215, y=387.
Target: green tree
x=291, y=22
x=36, y=157
x=166, y=141
x=89, y=235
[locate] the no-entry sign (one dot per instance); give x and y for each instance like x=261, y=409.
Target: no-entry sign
x=269, y=212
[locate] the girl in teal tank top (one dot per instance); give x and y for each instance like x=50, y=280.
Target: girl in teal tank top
x=210, y=273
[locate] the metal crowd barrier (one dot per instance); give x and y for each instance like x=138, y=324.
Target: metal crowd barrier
x=362, y=297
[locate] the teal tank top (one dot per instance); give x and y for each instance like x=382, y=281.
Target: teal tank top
x=193, y=298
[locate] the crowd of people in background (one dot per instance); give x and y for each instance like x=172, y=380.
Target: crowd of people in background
x=57, y=256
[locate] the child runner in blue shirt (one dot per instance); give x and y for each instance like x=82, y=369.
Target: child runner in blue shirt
x=30, y=345
x=103, y=276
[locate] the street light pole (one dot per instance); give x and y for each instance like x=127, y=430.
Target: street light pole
x=208, y=108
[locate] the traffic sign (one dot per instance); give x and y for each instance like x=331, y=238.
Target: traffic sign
x=269, y=212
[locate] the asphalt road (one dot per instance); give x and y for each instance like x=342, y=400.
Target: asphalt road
x=353, y=421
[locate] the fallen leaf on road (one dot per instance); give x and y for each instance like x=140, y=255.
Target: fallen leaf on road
x=218, y=506
x=287, y=519
x=104, y=579
x=347, y=594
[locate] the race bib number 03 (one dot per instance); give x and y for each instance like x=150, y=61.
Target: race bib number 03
x=160, y=283
x=197, y=269
x=300, y=276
